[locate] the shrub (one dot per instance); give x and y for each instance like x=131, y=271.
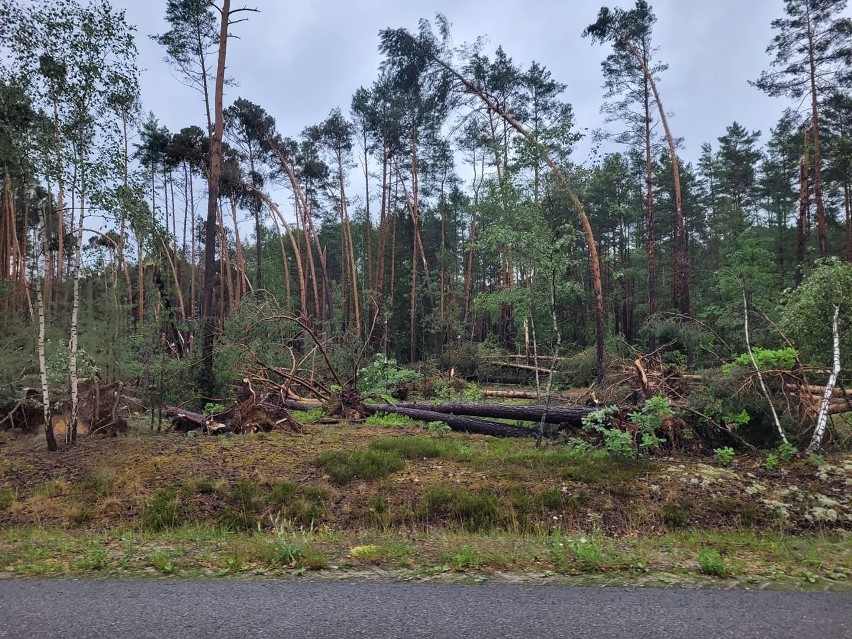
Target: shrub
x=771, y=461
x=343, y=466
x=710, y=562
x=786, y=451
x=768, y=359
x=724, y=455
x=384, y=376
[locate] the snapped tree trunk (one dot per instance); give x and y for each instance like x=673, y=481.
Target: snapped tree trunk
x=822, y=417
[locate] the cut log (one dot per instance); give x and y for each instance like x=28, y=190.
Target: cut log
x=464, y=424
x=572, y=415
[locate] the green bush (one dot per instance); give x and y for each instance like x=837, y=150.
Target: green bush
x=384, y=376
x=724, y=455
x=343, y=466
x=786, y=451
x=768, y=359
x=710, y=562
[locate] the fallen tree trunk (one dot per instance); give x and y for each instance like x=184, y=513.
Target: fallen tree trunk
x=511, y=394
x=464, y=424
x=522, y=367
x=572, y=415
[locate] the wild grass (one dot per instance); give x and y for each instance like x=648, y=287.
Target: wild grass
x=344, y=466
x=776, y=559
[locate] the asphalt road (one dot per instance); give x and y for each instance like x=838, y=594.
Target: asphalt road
x=203, y=609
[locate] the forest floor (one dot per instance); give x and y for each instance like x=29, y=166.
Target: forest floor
x=413, y=504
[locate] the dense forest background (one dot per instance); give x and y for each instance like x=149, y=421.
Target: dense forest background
x=439, y=218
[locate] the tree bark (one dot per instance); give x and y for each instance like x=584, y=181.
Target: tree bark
x=464, y=424
x=804, y=205
x=572, y=415
x=207, y=310
x=822, y=417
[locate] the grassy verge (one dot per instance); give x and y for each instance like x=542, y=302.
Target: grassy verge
x=743, y=559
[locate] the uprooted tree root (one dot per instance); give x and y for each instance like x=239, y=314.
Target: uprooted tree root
x=101, y=409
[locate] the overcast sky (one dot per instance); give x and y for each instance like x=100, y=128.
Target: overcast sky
x=299, y=60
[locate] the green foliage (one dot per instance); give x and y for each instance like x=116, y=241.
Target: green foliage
x=94, y=558
x=162, y=511
x=768, y=359
x=343, y=466
x=808, y=311
x=308, y=417
x=771, y=461
x=786, y=451
x=710, y=562
x=161, y=561
x=384, y=376
x=213, y=409
x=390, y=419
x=439, y=429
x=724, y=455
x=735, y=420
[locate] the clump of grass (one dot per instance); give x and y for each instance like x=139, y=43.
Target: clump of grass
x=459, y=508
x=308, y=416
x=588, y=553
x=740, y=511
x=604, y=471
x=344, y=466
x=465, y=558
x=677, y=514
x=203, y=485
x=50, y=488
x=710, y=562
x=390, y=419
x=161, y=561
x=7, y=497
x=390, y=552
x=244, y=506
x=79, y=515
x=303, y=505
x=162, y=511
x=413, y=447
x=94, y=558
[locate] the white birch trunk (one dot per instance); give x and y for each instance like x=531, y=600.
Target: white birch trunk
x=822, y=417
x=759, y=374
x=71, y=433
x=42, y=360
